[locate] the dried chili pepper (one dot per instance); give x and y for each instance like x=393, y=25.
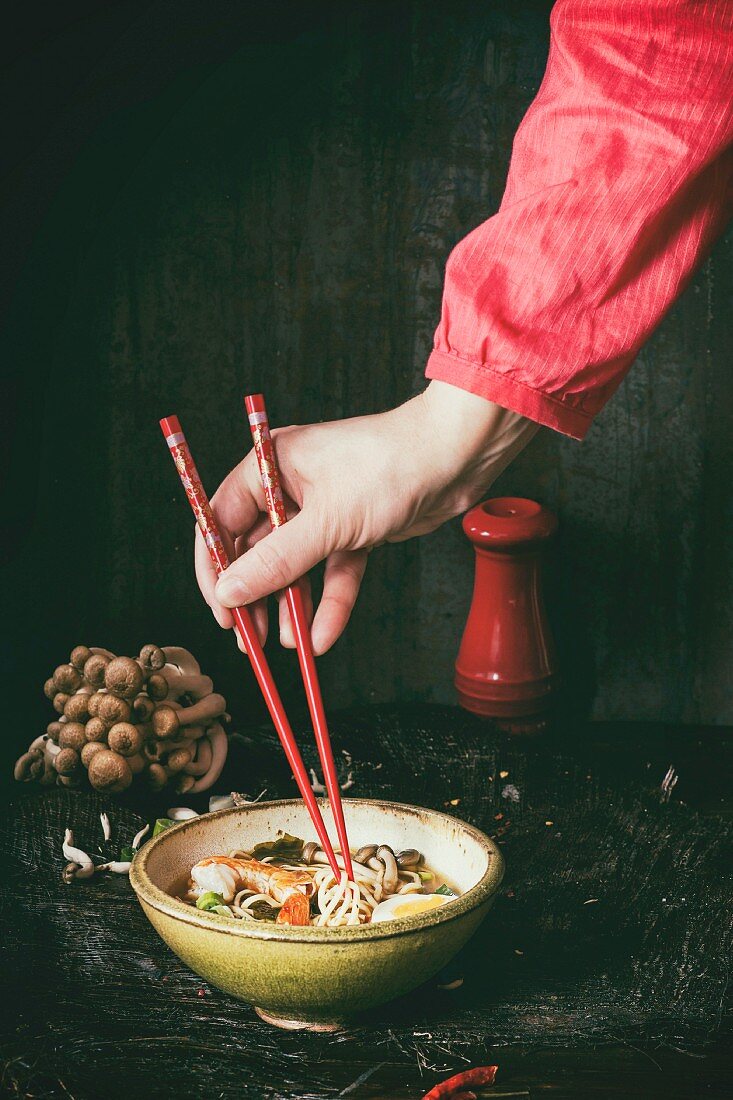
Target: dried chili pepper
x=458, y=1087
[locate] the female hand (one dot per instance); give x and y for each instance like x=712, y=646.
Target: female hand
x=349, y=486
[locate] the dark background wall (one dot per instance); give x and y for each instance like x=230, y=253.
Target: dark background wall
x=205, y=199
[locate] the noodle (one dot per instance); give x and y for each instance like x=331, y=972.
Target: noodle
x=305, y=890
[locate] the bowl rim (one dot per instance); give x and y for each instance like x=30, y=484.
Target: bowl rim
x=157, y=899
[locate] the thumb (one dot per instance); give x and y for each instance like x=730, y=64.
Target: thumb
x=276, y=561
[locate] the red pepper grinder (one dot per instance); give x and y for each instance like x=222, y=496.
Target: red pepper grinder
x=506, y=667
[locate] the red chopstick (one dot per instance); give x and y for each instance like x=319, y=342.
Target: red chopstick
x=199, y=502
x=270, y=474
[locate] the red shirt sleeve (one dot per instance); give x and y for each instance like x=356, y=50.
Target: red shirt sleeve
x=620, y=179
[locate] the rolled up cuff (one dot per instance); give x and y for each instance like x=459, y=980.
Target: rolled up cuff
x=502, y=390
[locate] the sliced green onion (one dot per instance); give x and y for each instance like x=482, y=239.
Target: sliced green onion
x=426, y=876
x=127, y=854
x=209, y=900
x=161, y=824
x=222, y=910
x=446, y=891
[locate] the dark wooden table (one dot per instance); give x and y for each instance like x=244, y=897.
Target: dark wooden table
x=601, y=972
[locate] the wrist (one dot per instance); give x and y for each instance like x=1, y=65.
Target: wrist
x=476, y=438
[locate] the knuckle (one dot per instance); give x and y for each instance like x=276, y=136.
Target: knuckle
x=339, y=600
x=270, y=564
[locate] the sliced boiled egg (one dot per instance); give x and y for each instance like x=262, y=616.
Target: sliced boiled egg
x=407, y=905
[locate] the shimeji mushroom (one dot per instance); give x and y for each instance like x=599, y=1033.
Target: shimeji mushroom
x=142, y=708
x=152, y=658
x=201, y=762
x=108, y=771
x=218, y=739
x=180, y=813
x=80, y=654
x=93, y=703
x=95, y=668
x=60, y=700
x=157, y=776
x=53, y=729
x=66, y=762
x=77, y=708
x=157, y=687
x=80, y=864
x=123, y=677
x=29, y=766
x=391, y=871
x=96, y=729
x=89, y=750
x=72, y=736
x=111, y=709
x=119, y=716
x=66, y=678
x=125, y=739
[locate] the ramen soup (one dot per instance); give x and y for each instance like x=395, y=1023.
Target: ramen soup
x=289, y=881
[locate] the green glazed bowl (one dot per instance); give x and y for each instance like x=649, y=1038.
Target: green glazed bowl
x=318, y=977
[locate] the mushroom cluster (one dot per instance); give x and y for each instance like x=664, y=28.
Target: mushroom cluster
x=155, y=715
x=378, y=857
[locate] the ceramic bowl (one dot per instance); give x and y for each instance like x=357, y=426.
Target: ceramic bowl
x=313, y=977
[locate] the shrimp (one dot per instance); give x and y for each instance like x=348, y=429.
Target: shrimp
x=296, y=910
x=226, y=876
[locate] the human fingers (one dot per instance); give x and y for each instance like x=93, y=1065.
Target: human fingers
x=341, y=582
x=239, y=500
x=206, y=576
x=283, y=556
x=287, y=636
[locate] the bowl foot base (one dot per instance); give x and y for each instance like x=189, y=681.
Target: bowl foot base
x=296, y=1025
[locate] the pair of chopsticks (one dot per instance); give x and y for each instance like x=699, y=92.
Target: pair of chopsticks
x=199, y=502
